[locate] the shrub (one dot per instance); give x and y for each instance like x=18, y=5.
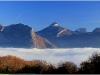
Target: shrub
x=92, y=65
x=67, y=67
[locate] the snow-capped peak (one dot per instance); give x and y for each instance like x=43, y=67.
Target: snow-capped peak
x=55, y=24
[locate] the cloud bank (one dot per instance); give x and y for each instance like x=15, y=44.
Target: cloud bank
x=76, y=55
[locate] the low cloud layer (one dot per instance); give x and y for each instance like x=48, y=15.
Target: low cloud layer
x=76, y=55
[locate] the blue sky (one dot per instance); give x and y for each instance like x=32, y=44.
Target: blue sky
x=40, y=14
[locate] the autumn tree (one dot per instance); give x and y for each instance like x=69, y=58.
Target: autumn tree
x=10, y=64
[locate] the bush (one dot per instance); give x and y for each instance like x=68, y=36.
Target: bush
x=92, y=65
x=67, y=67
x=37, y=67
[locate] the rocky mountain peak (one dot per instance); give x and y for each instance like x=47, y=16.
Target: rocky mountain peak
x=54, y=24
x=81, y=30
x=54, y=30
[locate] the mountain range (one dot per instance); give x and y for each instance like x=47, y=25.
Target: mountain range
x=53, y=36
x=65, y=38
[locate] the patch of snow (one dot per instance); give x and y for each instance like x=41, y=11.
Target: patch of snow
x=61, y=32
x=55, y=25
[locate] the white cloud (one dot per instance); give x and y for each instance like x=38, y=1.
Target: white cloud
x=76, y=55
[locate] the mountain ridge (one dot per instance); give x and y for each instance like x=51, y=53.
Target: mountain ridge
x=22, y=36
x=66, y=38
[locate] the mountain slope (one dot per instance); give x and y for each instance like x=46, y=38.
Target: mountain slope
x=20, y=35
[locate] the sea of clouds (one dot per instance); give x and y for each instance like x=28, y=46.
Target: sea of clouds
x=54, y=56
